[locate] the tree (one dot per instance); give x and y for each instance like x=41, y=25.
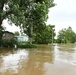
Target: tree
x=66, y=36
x=28, y=14
x=36, y=14
x=1, y=34
x=9, y=9
x=45, y=36
x=16, y=33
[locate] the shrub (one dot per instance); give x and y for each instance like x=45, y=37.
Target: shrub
x=9, y=43
x=27, y=46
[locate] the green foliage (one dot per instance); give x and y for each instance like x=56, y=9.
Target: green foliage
x=49, y=3
x=1, y=31
x=22, y=43
x=16, y=33
x=45, y=36
x=9, y=43
x=10, y=9
x=66, y=36
x=36, y=14
x=26, y=45
x=1, y=34
x=29, y=15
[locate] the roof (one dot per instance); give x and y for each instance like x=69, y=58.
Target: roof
x=8, y=32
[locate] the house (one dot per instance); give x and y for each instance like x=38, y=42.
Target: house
x=8, y=35
x=22, y=38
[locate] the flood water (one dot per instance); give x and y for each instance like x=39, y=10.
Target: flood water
x=44, y=60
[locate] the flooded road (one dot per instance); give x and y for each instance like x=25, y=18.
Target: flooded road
x=44, y=60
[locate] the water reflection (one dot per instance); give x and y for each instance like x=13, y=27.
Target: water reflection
x=44, y=60
x=66, y=53
x=12, y=60
x=38, y=58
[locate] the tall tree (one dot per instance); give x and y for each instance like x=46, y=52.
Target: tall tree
x=9, y=9
x=36, y=14
x=46, y=36
x=66, y=36
x=28, y=14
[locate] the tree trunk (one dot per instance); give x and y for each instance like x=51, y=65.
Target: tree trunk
x=0, y=21
x=52, y=37
x=31, y=31
x=31, y=40
x=1, y=32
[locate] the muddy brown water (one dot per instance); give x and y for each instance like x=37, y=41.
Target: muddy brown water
x=44, y=60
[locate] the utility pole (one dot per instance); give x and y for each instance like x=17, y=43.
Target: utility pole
x=31, y=31
x=52, y=27
x=52, y=36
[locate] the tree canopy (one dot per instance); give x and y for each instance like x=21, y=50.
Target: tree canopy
x=66, y=35
x=46, y=35
x=30, y=15
x=16, y=33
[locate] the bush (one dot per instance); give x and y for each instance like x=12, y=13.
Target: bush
x=9, y=43
x=27, y=46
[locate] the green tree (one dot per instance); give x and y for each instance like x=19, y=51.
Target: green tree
x=46, y=36
x=16, y=33
x=9, y=9
x=1, y=34
x=66, y=36
x=36, y=14
x=28, y=14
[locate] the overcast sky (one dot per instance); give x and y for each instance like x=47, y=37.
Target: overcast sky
x=62, y=15
x=11, y=28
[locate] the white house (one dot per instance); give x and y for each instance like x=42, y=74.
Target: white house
x=22, y=38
